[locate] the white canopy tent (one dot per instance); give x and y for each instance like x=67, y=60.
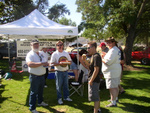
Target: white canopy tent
x=36, y=24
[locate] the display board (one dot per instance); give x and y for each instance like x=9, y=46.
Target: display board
x=23, y=47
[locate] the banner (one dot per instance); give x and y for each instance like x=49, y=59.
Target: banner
x=23, y=47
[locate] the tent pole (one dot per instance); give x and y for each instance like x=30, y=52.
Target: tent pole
x=8, y=52
x=78, y=55
x=65, y=43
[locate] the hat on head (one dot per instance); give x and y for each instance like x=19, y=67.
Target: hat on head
x=102, y=44
x=44, y=47
x=111, y=39
x=34, y=41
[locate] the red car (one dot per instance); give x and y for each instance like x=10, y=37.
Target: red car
x=143, y=56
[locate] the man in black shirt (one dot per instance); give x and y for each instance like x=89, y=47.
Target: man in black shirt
x=94, y=75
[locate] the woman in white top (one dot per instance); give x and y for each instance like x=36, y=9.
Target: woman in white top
x=111, y=69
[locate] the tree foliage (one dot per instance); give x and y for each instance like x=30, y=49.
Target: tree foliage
x=57, y=11
x=11, y=10
x=119, y=18
x=66, y=21
x=42, y=5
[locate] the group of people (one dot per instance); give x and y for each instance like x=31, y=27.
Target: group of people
x=108, y=64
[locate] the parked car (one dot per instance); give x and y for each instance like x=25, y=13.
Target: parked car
x=4, y=50
x=143, y=56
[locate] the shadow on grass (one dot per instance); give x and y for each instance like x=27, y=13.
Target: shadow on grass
x=2, y=89
x=137, y=98
x=135, y=108
x=50, y=97
x=138, y=82
x=4, y=65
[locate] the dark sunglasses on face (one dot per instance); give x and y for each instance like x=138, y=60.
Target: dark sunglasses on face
x=89, y=47
x=108, y=42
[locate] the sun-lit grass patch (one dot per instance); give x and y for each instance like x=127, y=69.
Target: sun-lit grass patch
x=15, y=95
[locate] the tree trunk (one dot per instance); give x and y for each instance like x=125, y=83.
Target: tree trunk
x=129, y=45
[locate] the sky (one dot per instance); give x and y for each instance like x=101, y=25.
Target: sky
x=72, y=7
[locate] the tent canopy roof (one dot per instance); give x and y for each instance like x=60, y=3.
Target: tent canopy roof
x=37, y=24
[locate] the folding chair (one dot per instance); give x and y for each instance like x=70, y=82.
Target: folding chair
x=79, y=85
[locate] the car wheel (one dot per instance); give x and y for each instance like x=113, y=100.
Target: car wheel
x=1, y=56
x=144, y=61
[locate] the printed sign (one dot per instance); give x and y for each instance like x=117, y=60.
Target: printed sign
x=23, y=47
x=24, y=66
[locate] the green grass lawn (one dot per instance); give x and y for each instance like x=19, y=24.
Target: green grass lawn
x=15, y=95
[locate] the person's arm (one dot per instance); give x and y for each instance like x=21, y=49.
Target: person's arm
x=122, y=62
x=36, y=64
x=83, y=62
x=30, y=63
x=69, y=60
x=111, y=56
x=96, y=70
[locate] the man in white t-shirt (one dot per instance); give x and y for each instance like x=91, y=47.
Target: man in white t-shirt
x=46, y=58
x=111, y=69
x=61, y=59
x=35, y=62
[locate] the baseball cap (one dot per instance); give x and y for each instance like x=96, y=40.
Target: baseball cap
x=102, y=44
x=34, y=41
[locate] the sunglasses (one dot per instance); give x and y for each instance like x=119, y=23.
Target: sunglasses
x=89, y=47
x=108, y=42
x=59, y=45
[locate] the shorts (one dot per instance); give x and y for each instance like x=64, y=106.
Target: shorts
x=73, y=66
x=112, y=82
x=93, y=92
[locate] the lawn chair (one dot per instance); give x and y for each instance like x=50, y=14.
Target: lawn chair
x=78, y=87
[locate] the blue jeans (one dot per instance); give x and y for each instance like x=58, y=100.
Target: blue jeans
x=36, y=90
x=62, y=80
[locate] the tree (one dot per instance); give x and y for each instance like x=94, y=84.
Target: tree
x=11, y=10
x=120, y=18
x=66, y=21
x=42, y=5
x=58, y=10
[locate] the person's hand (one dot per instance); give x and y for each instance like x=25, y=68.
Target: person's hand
x=45, y=63
x=84, y=57
x=90, y=82
x=103, y=54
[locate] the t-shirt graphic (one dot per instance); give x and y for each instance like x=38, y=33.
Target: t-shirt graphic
x=63, y=59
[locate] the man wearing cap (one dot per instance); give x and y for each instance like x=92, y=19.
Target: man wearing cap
x=103, y=47
x=61, y=59
x=46, y=58
x=111, y=69
x=35, y=62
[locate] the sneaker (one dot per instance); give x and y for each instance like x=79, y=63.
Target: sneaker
x=34, y=111
x=68, y=99
x=116, y=100
x=45, y=86
x=60, y=101
x=43, y=104
x=111, y=105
